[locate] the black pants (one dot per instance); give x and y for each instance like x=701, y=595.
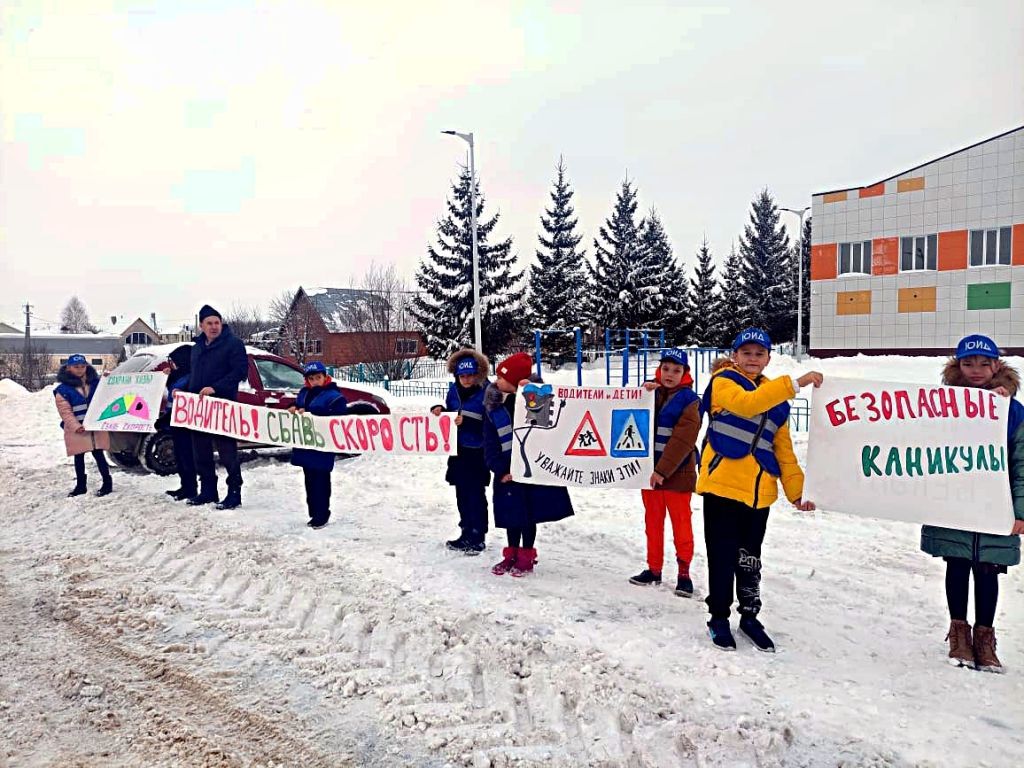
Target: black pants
x=471, y=499
x=733, y=533
x=318, y=493
x=227, y=449
x=986, y=590
x=185, y=459
x=525, y=536
x=101, y=465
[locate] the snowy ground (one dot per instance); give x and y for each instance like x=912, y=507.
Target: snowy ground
x=138, y=632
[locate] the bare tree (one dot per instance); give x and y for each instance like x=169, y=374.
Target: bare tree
x=246, y=320
x=30, y=367
x=302, y=330
x=74, y=318
x=280, y=307
x=384, y=330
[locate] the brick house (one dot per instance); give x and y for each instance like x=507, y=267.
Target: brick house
x=343, y=326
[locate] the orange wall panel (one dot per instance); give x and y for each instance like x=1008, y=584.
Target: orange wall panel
x=853, y=303
x=835, y=197
x=1018, y=245
x=910, y=185
x=823, y=261
x=885, y=256
x=876, y=190
x=916, y=299
x=952, y=250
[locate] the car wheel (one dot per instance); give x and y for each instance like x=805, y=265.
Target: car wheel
x=124, y=459
x=158, y=453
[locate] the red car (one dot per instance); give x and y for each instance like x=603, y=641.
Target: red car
x=273, y=382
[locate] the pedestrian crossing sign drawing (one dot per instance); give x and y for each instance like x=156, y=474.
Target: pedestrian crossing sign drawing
x=586, y=440
x=631, y=431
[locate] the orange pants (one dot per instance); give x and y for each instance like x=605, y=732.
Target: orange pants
x=678, y=506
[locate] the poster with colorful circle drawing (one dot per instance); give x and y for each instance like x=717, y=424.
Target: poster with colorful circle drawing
x=126, y=402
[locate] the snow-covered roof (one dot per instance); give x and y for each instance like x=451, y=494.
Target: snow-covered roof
x=64, y=343
x=336, y=306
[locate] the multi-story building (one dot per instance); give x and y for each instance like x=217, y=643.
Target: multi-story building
x=912, y=263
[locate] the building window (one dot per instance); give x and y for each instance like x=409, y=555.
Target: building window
x=918, y=253
x=406, y=346
x=97, y=361
x=990, y=247
x=310, y=346
x=63, y=360
x=855, y=258
x=139, y=339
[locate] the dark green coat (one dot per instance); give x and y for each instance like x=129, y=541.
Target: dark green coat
x=985, y=547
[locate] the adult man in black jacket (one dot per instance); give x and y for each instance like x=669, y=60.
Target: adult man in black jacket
x=219, y=363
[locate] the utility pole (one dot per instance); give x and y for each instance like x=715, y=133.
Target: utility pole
x=26, y=357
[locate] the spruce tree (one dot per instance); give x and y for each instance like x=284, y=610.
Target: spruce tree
x=767, y=270
x=617, y=301
x=704, y=301
x=806, y=306
x=444, y=306
x=558, y=282
x=733, y=312
x=662, y=282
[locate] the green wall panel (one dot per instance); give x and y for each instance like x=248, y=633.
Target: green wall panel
x=988, y=296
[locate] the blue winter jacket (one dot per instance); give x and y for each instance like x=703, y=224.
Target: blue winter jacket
x=175, y=382
x=319, y=401
x=67, y=388
x=515, y=504
x=221, y=364
x=469, y=403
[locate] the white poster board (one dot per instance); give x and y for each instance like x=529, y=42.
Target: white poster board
x=920, y=454
x=583, y=437
x=126, y=402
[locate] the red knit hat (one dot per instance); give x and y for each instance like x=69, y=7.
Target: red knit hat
x=515, y=368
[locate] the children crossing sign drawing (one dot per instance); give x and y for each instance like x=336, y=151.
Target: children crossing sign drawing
x=584, y=437
x=587, y=440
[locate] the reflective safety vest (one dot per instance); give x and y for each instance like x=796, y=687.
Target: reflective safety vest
x=471, y=433
x=668, y=417
x=733, y=436
x=503, y=425
x=79, y=403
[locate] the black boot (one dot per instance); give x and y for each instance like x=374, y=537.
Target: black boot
x=180, y=494
x=459, y=544
x=233, y=500
x=106, y=488
x=79, y=488
x=205, y=496
x=645, y=578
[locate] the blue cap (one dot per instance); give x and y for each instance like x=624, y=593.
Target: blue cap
x=752, y=336
x=466, y=366
x=77, y=360
x=976, y=344
x=675, y=355
x=315, y=367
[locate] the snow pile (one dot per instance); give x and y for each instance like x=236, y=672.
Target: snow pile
x=11, y=388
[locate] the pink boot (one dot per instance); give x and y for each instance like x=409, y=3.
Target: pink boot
x=524, y=562
x=508, y=561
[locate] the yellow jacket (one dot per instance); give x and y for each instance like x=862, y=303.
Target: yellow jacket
x=743, y=480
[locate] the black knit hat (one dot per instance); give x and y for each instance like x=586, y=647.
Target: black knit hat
x=208, y=311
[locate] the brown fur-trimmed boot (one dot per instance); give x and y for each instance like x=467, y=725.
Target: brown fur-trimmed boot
x=961, y=646
x=985, y=658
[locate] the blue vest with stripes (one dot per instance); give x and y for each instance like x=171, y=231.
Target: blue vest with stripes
x=667, y=419
x=734, y=436
x=503, y=425
x=471, y=433
x=79, y=403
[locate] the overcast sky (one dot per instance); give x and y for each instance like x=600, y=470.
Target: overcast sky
x=158, y=155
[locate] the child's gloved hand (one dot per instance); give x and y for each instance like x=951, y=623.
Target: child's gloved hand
x=811, y=377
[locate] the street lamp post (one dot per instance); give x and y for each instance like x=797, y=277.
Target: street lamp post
x=800, y=280
x=468, y=138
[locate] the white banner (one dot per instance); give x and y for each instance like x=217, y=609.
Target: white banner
x=426, y=433
x=583, y=436
x=126, y=402
x=919, y=454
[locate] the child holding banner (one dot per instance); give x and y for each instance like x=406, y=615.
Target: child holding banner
x=746, y=452
x=677, y=424
x=976, y=363
x=467, y=470
x=320, y=397
x=76, y=385
x=518, y=507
